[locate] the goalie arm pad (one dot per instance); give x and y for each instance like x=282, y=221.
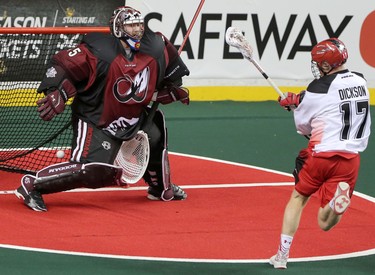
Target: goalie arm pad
x=175, y=70
x=176, y=67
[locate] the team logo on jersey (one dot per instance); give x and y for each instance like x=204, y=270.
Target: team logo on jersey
x=126, y=89
x=51, y=72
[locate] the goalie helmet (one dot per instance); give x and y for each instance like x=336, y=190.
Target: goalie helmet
x=332, y=51
x=127, y=24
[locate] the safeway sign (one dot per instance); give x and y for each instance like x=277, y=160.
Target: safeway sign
x=282, y=34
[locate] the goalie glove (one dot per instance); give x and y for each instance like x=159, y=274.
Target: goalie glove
x=54, y=101
x=171, y=94
x=291, y=100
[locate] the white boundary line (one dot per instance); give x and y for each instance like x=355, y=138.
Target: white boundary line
x=201, y=186
x=196, y=186
x=234, y=185
x=142, y=258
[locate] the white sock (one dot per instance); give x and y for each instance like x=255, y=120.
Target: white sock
x=285, y=243
x=332, y=204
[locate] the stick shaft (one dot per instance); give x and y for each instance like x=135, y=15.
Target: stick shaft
x=156, y=104
x=191, y=26
x=270, y=81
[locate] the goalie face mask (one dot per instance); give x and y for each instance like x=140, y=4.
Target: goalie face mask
x=331, y=51
x=127, y=24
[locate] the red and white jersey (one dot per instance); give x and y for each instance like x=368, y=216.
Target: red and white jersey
x=335, y=111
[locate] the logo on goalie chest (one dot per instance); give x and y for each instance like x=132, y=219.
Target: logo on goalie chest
x=128, y=89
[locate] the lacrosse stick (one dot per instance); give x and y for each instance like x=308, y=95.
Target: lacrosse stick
x=235, y=38
x=155, y=104
x=134, y=154
x=191, y=26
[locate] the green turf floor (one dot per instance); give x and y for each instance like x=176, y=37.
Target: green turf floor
x=260, y=134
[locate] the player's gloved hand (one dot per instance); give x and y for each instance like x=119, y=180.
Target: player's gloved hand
x=54, y=101
x=51, y=105
x=291, y=101
x=171, y=94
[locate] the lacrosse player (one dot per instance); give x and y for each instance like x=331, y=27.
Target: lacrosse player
x=335, y=112
x=112, y=78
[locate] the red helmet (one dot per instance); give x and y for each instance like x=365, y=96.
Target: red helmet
x=332, y=51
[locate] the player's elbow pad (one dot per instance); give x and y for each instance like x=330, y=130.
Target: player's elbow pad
x=55, y=78
x=175, y=70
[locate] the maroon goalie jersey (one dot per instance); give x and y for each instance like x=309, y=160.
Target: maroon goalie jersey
x=112, y=90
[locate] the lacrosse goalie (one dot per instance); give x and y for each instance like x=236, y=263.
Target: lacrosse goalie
x=112, y=78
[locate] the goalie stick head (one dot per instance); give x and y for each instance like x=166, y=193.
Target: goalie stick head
x=133, y=158
x=235, y=38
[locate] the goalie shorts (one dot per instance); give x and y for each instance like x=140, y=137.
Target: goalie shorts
x=322, y=172
x=91, y=144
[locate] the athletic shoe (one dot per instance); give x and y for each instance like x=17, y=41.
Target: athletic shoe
x=341, y=200
x=30, y=197
x=279, y=261
x=174, y=193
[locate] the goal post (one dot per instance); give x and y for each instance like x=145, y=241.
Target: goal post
x=27, y=143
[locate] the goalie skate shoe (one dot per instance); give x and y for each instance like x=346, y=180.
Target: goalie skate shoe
x=31, y=198
x=279, y=261
x=174, y=193
x=341, y=200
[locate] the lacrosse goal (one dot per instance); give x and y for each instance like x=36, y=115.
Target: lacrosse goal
x=27, y=143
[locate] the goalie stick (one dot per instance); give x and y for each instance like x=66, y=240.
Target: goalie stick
x=199, y=8
x=134, y=154
x=133, y=158
x=201, y=3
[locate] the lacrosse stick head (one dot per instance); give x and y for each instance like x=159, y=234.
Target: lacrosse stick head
x=235, y=38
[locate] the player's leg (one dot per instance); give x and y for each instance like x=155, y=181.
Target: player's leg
x=65, y=176
x=157, y=174
x=304, y=188
x=337, y=191
x=89, y=145
x=293, y=213
x=292, y=216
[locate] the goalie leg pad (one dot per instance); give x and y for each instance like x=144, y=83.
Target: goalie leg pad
x=66, y=176
x=154, y=175
x=157, y=174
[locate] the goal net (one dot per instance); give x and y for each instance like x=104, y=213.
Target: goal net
x=27, y=143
